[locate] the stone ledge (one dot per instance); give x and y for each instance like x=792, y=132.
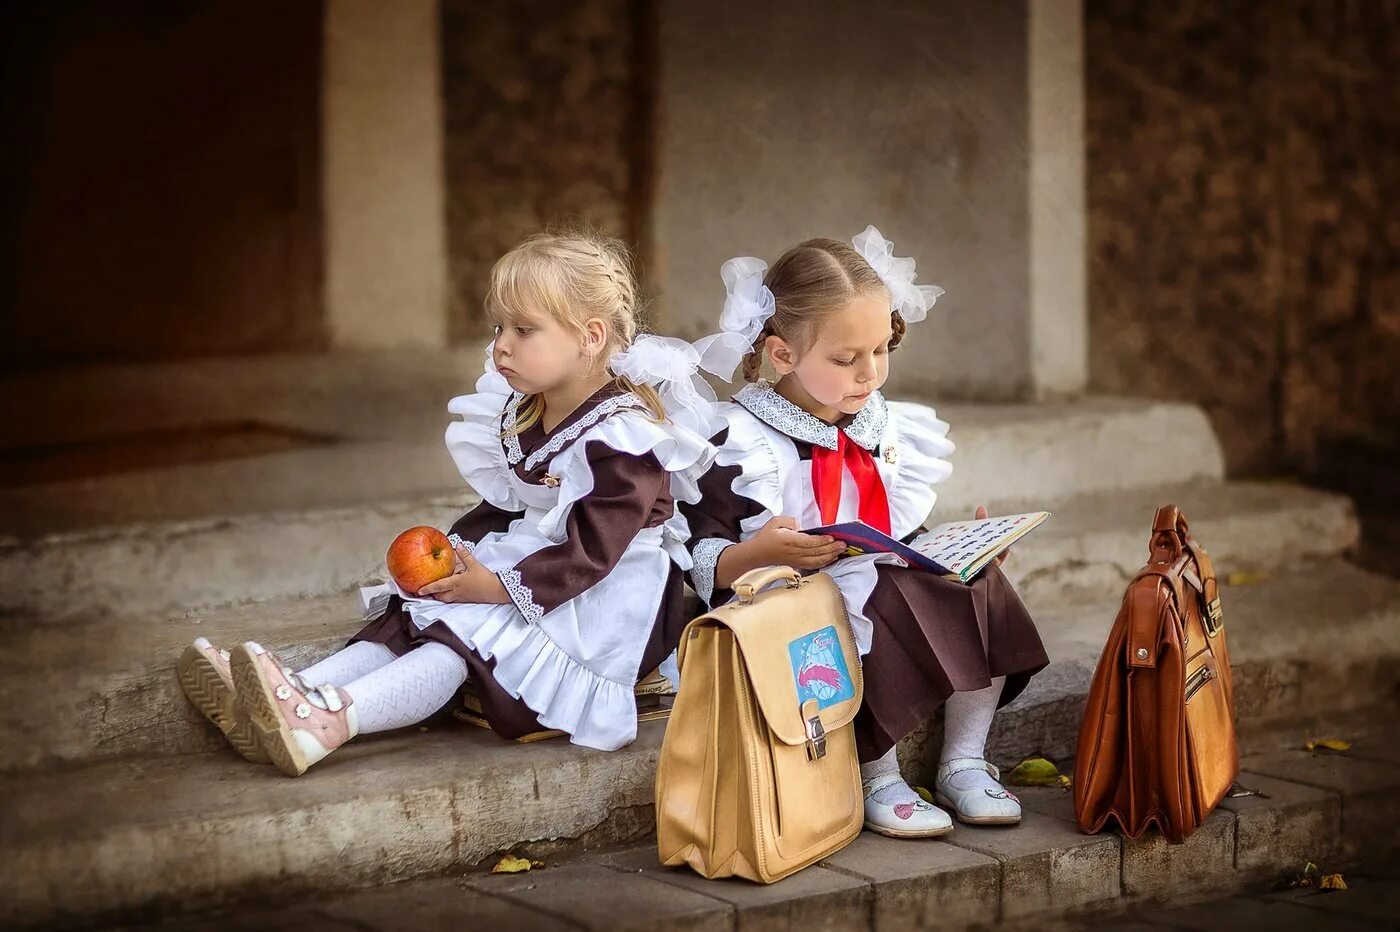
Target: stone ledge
x=1019, y=877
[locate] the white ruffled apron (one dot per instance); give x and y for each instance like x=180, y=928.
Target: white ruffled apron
x=576, y=667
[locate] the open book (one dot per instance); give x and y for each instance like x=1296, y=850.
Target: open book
x=957, y=550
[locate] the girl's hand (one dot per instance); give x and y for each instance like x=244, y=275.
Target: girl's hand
x=471, y=583
x=978, y=516
x=779, y=541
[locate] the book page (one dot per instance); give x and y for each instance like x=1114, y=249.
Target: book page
x=958, y=545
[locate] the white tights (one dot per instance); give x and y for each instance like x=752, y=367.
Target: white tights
x=390, y=692
x=967, y=719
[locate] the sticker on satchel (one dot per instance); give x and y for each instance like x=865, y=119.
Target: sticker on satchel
x=819, y=668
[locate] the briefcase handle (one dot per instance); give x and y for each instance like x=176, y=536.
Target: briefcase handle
x=749, y=584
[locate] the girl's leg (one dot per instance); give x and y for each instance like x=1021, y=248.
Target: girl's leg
x=891, y=805
x=966, y=781
x=409, y=689
x=299, y=728
x=346, y=665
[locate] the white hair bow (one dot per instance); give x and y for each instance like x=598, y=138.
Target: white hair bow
x=910, y=300
x=671, y=366
x=747, y=307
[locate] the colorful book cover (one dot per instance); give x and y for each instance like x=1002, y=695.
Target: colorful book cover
x=957, y=549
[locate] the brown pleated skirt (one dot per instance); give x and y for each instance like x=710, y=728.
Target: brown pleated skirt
x=934, y=637
x=511, y=717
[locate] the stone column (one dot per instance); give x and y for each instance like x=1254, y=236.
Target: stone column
x=785, y=120
x=1059, y=307
x=382, y=136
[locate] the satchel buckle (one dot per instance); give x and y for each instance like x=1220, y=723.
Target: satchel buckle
x=816, y=731
x=1214, y=617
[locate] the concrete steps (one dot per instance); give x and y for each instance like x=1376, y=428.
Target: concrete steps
x=137, y=832
x=111, y=672
x=313, y=521
x=1042, y=874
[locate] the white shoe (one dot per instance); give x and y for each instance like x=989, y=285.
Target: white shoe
x=979, y=805
x=902, y=820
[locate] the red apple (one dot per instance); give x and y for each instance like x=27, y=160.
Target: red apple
x=418, y=556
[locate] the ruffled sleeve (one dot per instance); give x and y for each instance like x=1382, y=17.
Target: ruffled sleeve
x=682, y=454
x=923, y=443
x=599, y=528
x=475, y=441
x=715, y=524
x=739, y=494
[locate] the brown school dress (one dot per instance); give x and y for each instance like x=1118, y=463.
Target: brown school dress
x=932, y=636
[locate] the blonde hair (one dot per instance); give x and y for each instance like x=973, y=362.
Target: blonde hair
x=572, y=275
x=810, y=282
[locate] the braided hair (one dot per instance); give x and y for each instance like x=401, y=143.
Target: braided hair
x=810, y=282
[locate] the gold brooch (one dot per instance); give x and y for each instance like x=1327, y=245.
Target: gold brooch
x=891, y=454
x=551, y=482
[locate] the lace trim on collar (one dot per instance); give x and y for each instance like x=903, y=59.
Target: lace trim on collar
x=558, y=441
x=867, y=429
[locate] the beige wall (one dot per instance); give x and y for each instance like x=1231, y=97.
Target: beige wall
x=781, y=121
x=385, y=222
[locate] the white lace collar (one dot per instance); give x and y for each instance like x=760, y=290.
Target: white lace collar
x=866, y=429
x=514, y=454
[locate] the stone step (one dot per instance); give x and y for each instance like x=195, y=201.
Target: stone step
x=317, y=520
x=138, y=832
x=1041, y=874
x=112, y=672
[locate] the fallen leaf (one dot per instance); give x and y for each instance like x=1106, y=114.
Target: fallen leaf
x=1240, y=578
x=1239, y=792
x=1327, y=744
x=1034, y=771
x=924, y=794
x=510, y=864
x=1332, y=882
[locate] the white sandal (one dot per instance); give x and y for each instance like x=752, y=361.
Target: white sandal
x=979, y=805
x=918, y=819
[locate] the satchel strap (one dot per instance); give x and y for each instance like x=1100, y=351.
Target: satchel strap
x=877, y=783
x=959, y=764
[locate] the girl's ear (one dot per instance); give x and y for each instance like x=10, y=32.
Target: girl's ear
x=781, y=354
x=595, y=336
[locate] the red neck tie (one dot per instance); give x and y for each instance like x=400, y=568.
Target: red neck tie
x=874, y=507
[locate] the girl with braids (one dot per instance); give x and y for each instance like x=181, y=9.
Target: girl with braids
x=820, y=446
x=580, y=439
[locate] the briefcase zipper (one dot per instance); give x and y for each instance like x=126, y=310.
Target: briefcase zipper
x=1198, y=679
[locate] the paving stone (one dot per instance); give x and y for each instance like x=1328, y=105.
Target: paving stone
x=597, y=897
x=813, y=898
x=922, y=883
x=1372, y=897
x=1277, y=916
x=1048, y=800
x=428, y=904
x=1046, y=863
x=1204, y=863
x=1370, y=803
x=1295, y=824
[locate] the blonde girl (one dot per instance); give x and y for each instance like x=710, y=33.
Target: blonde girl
x=580, y=439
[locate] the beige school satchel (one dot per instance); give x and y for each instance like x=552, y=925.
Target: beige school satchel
x=758, y=775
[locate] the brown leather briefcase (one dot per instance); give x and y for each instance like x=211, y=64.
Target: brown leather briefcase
x=1157, y=743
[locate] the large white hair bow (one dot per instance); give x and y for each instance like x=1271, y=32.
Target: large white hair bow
x=747, y=307
x=910, y=300
x=671, y=366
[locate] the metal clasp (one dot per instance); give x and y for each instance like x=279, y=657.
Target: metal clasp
x=1214, y=617
x=816, y=732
